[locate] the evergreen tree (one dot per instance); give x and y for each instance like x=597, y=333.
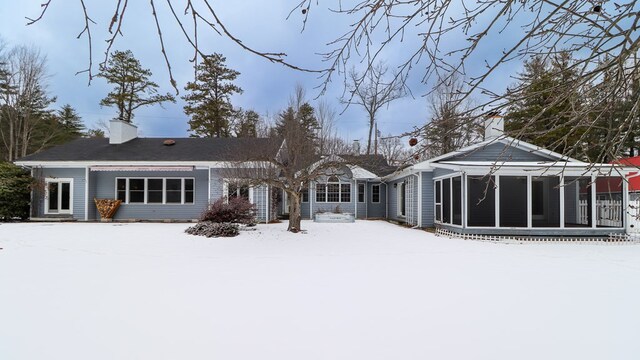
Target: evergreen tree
x=543, y=105
x=304, y=119
x=133, y=89
x=247, y=124
x=70, y=123
x=15, y=192
x=209, y=98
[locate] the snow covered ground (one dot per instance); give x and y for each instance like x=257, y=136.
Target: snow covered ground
x=369, y=290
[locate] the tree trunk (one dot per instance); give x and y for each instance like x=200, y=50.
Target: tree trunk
x=371, y=122
x=294, y=212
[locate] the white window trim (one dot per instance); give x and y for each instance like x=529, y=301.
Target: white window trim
x=326, y=191
x=372, y=186
x=449, y=178
x=530, y=226
x=47, y=181
x=164, y=190
x=225, y=190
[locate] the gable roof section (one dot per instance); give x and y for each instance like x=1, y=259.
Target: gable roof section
x=505, y=149
x=375, y=164
x=153, y=149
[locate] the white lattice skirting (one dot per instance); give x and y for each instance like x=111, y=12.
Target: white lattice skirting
x=610, y=239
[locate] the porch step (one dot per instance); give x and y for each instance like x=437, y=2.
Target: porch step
x=52, y=219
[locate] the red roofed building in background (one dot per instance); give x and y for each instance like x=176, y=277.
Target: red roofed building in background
x=633, y=177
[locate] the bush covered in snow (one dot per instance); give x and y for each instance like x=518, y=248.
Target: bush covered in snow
x=15, y=190
x=236, y=210
x=211, y=229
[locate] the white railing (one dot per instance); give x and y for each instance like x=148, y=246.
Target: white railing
x=515, y=239
x=608, y=213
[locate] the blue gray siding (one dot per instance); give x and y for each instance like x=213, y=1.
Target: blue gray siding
x=376, y=210
x=441, y=172
x=498, y=152
x=105, y=187
x=427, y=199
x=79, y=183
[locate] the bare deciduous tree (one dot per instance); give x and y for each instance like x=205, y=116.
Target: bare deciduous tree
x=24, y=102
x=393, y=150
x=444, y=38
x=291, y=170
x=373, y=90
x=452, y=124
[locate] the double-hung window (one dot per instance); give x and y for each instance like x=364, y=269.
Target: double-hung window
x=375, y=193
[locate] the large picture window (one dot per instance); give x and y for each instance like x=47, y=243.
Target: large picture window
x=333, y=191
x=155, y=190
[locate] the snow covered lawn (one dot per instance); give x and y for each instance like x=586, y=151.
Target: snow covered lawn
x=368, y=290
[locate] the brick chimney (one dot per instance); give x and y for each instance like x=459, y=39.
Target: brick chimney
x=121, y=131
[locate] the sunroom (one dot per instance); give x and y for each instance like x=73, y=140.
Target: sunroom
x=531, y=199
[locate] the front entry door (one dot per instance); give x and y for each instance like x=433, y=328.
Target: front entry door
x=59, y=196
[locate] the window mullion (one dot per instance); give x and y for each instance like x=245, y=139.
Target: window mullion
x=182, y=191
x=164, y=190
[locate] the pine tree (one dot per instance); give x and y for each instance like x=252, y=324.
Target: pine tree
x=247, y=124
x=543, y=104
x=133, y=89
x=209, y=98
x=304, y=119
x=69, y=124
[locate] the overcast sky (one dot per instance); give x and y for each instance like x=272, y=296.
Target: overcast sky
x=260, y=24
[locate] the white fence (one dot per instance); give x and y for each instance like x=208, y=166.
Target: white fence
x=608, y=213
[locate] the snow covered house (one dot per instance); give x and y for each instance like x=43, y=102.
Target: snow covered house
x=506, y=186
x=498, y=186
x=156, y=179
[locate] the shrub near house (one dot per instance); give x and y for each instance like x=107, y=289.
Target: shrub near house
x=15, y=190
x=221, y=218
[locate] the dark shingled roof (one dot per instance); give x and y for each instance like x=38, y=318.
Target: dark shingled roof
x=153, y=149
x=376, y=164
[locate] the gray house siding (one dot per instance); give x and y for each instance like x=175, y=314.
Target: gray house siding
x=441, y=172
x=79, y=183
x=93, y=211
x=427, y=199
x=376, y=210
x=498, y=152
x=106, y=188
x=305, y=209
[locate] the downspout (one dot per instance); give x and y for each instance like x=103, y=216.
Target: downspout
x=86, y=194
x=357, y=194
x=31, y=198
x=386, y=208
